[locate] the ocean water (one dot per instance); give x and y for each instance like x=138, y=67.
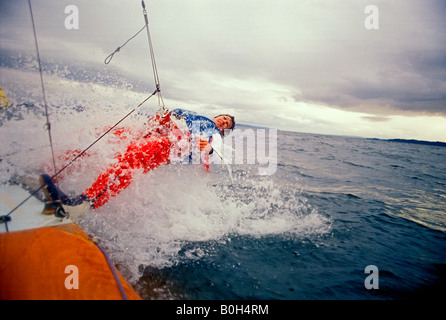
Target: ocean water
x=334, y=206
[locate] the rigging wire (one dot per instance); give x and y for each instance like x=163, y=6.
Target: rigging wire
x=152, y=57
x=106, y=61
x=110, y=57
x=48, y=124
x=79, y=155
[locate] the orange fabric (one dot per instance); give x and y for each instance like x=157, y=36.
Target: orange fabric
x=33, y=262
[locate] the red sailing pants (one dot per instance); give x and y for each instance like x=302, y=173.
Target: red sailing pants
x=151, y=152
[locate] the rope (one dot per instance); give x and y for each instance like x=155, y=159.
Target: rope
x=115, y=275
x=80, y=154
x=48, y=124
x=110, y=57
x=227, y=166
x=106, y=61
x=152, y=56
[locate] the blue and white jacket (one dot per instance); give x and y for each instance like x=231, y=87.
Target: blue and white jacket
x=198, y=126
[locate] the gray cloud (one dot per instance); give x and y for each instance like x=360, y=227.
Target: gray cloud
x=322, y=52
x=375, y=118
x=257, y=56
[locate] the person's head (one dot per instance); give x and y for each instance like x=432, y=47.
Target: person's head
x=224, y=122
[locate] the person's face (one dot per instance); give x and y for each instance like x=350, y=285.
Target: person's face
x=223, y=122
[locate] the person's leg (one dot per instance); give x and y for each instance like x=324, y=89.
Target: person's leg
x=148, y=155
x=154, y=151
x=53, y=193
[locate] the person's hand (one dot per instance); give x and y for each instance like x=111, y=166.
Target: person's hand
x=203, y=145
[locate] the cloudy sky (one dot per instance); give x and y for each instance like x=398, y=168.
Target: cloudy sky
x=298, y=65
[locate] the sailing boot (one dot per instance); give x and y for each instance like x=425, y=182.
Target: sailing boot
x=58, y=201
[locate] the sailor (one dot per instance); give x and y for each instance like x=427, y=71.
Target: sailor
x=178, y=136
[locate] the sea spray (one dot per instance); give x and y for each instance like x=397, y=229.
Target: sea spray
x=162, y=211
x=167, y=217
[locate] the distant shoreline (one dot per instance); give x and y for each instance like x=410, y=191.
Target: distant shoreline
x=413, y=141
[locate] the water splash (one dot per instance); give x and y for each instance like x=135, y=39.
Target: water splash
x=161, y=212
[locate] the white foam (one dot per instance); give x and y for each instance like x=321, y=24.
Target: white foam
x=150, y=222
